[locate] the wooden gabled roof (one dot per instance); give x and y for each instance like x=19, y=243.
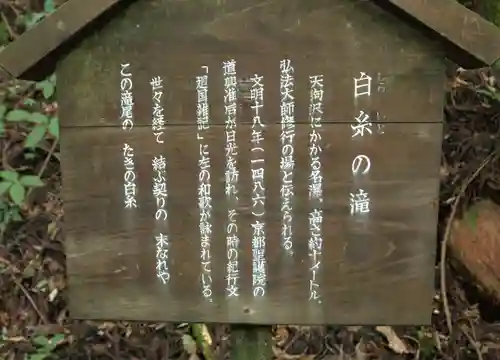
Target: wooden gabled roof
x=469, y=39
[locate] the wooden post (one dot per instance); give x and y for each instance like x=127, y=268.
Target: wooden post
x=251, y=342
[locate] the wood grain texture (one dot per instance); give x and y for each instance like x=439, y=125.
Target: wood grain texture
x=377, y=268
x=454, y=22
x=338, y=39
x=50, y=33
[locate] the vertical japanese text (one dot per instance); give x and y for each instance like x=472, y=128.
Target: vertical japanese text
x=360, y=200
x=204, y=184
x=287, y=109
x=127, y=118
x=315, y=245
x=231, y=176
x=259, y=276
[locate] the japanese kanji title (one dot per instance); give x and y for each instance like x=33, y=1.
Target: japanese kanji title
x=360, y=201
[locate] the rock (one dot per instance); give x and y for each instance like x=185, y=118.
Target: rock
x=475, y=242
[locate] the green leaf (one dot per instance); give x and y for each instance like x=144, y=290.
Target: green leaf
x=492, y=94
x=47, y=88
x=57, y=338
x=53, y=78
x=496, y=65
x=54, y=127
x=35, y=136
x=39, y=85
x=485, y=92
x=49, y=6
x=3, y=110
x=17, y=193
x=15, y=215
x=54, y=341
x=4, y=186
x=21, y=19
x=11, y=176
x=39, y=356
x=471, y=216
x=38, y=118
x=41, y=341
x=31, y=181
x=4, y=34
x=29, y=102
x=33, y=19
x=18, y=115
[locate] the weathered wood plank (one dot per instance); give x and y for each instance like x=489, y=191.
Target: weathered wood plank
x=464, y=29
x=458, y=25
x=409, y=97
x=377, y=268
x=60, y=26
x=336, y=38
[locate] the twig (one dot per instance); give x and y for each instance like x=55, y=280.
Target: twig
x=446, y=237
x=47, y=159
x=437, y=341
x=45, y=163
x=5, y=163
x=30, y=299
x=11, y=31
x=473, y=342
x=12, y=7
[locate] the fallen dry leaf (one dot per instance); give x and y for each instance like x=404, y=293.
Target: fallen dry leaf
x=354, y=328
x=281, y=335
x=281, y=354
x=395, y=343
x=189, y=344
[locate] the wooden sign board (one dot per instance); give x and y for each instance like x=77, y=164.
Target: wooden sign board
x=252, y=162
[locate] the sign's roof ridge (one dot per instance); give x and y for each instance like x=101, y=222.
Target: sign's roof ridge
x=457, y=27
